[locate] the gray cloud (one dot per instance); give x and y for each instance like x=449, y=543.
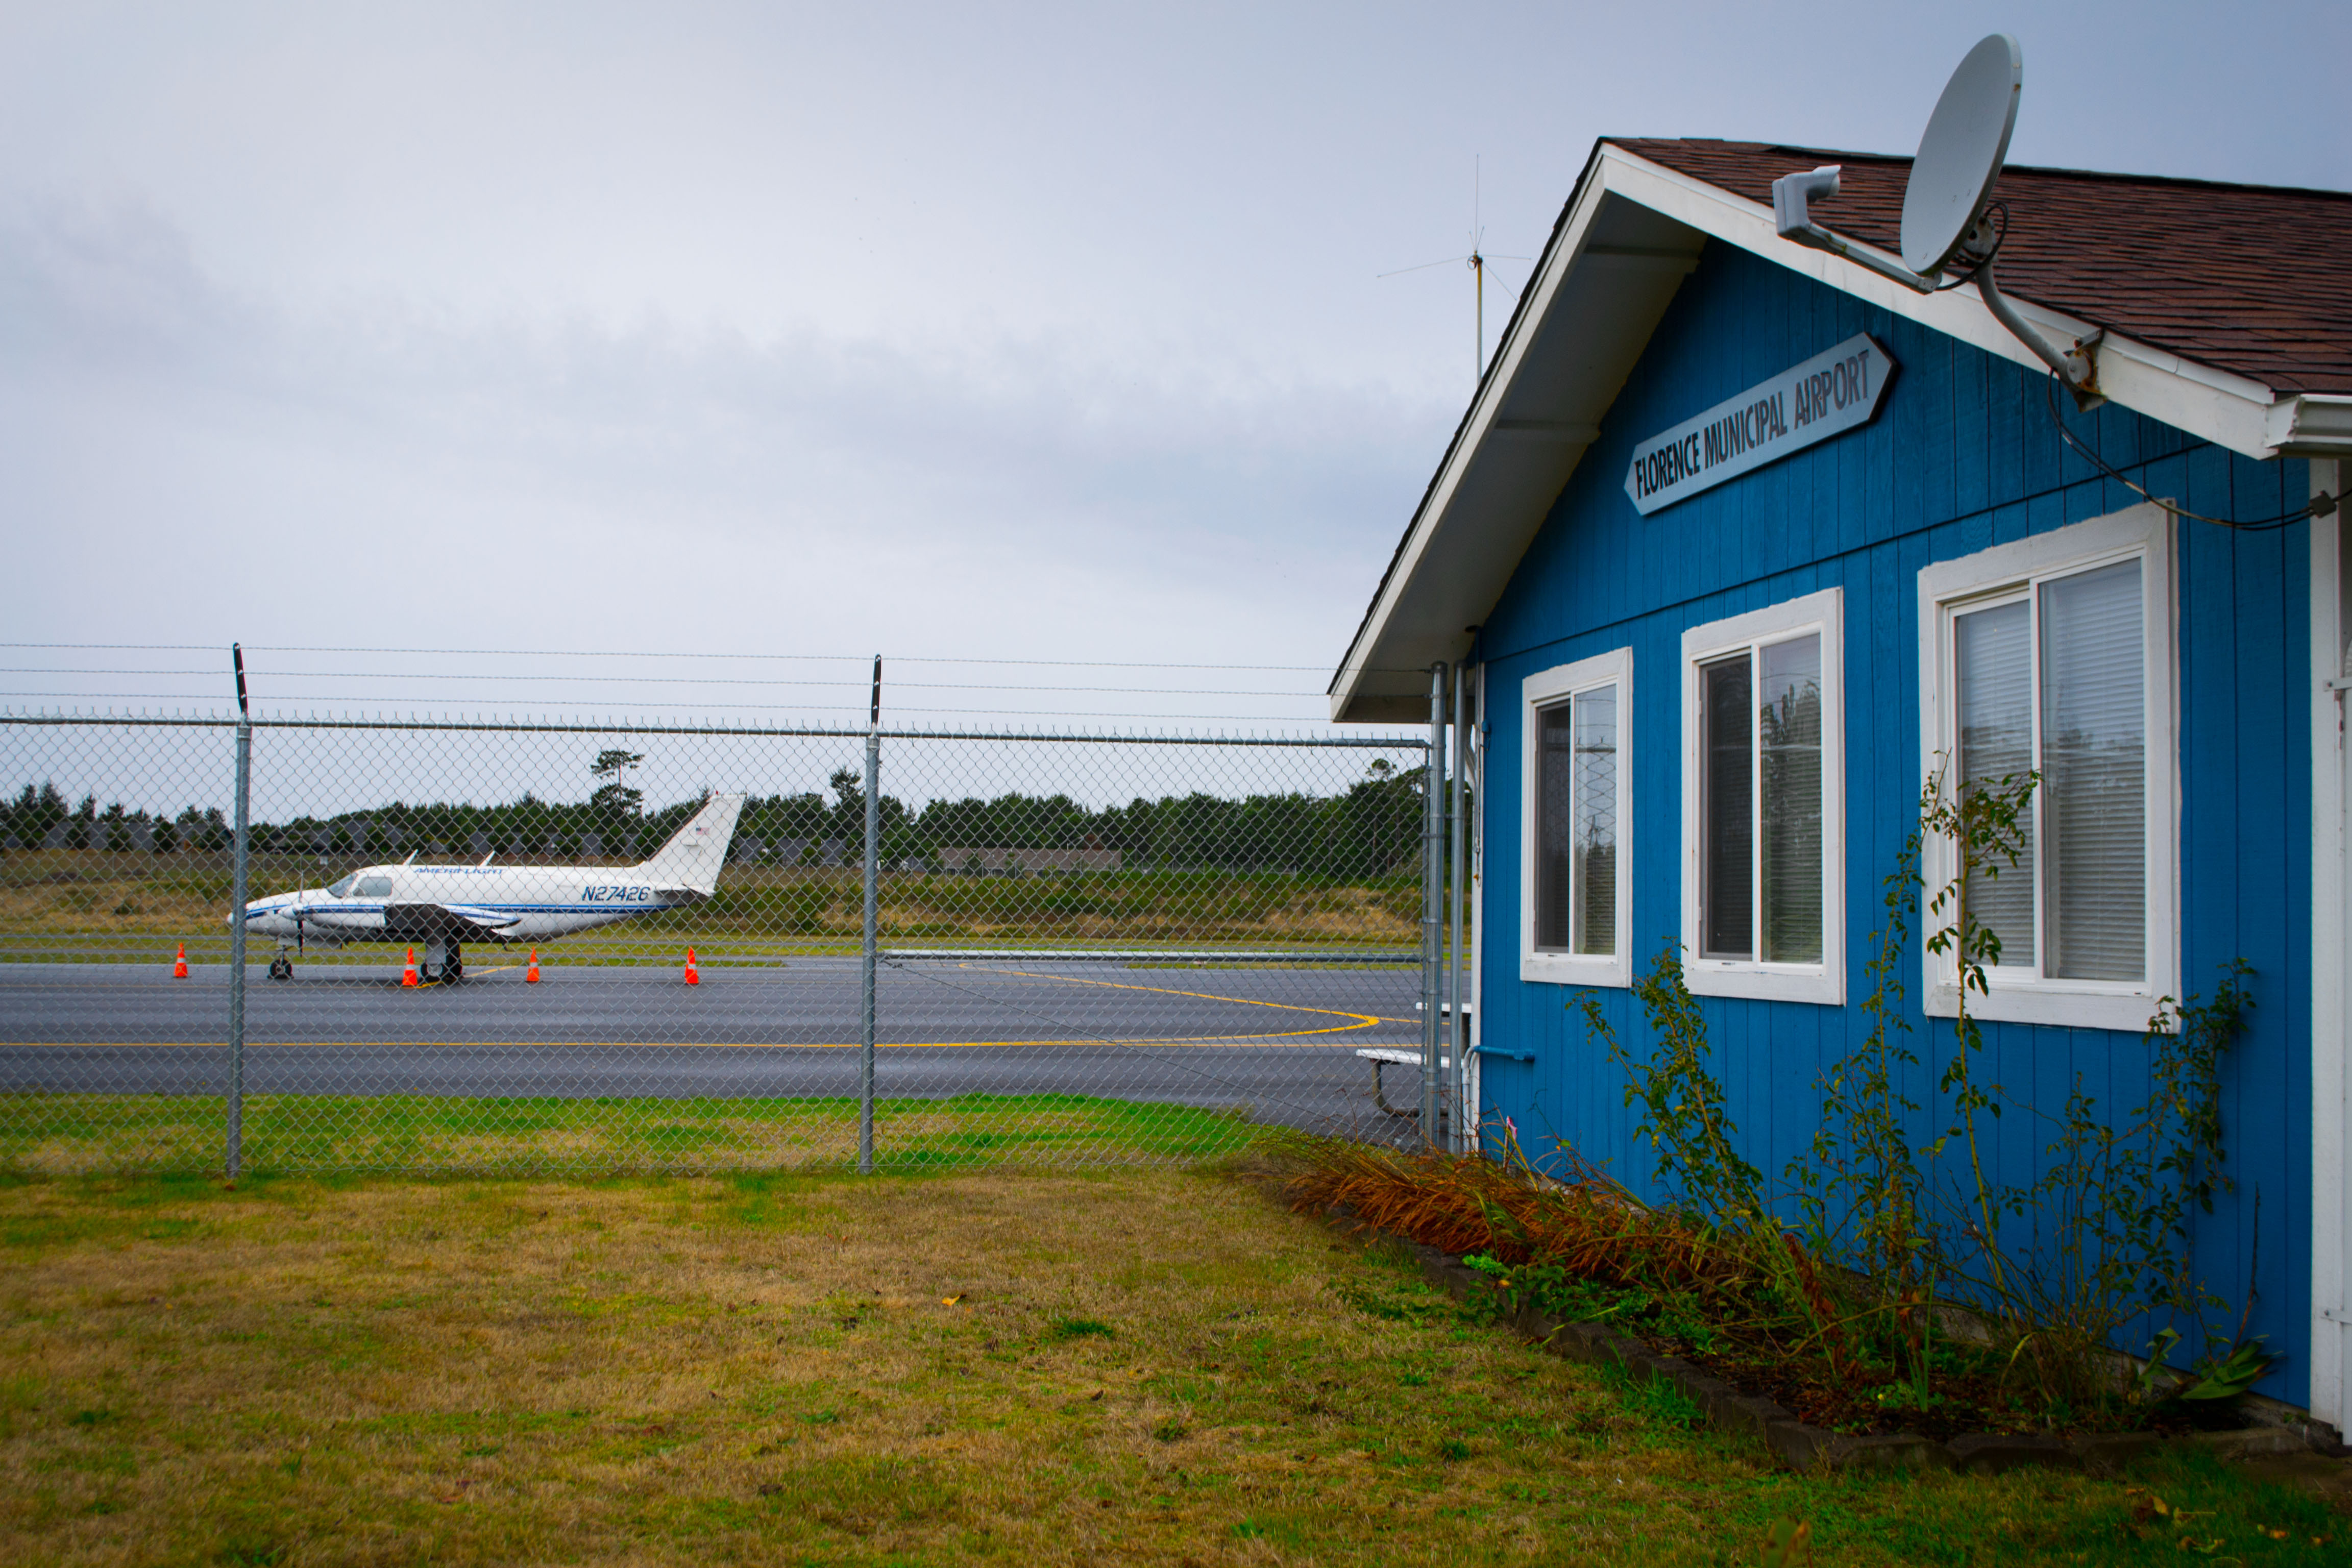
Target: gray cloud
x=1039, y=332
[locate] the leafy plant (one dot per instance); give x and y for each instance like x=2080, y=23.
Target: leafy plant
x=1553, y=1290
x=1859, y=1190
x=1682, y=1114
x=2110, y=1218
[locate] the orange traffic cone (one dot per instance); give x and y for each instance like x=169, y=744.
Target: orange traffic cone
x=531, y=975
x=180, y=963
x=408, y=972
x=693, y=976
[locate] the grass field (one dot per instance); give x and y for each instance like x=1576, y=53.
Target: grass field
x=101, y=905
x=59, y=1134
x=1159, y=1368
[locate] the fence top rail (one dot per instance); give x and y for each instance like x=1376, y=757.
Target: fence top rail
x=652, y=727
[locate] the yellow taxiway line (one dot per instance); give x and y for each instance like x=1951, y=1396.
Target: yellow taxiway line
x=1355, y=1021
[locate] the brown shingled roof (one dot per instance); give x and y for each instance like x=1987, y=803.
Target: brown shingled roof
x=2255, y=280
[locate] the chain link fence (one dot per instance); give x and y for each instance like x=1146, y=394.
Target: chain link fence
x=578, y=947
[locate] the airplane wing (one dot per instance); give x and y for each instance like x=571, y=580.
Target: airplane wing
x=484, y=920
x=434, y=920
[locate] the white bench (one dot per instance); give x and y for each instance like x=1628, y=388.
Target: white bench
x=1410, y=1056
x=1382, y=1056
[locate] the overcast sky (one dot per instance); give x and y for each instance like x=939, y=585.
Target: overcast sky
x=1012, y=332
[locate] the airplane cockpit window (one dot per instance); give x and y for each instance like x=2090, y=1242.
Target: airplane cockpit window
x=375, y=888
x=342, y=889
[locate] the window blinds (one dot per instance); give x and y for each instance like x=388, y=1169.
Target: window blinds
x=2094, y=772
x=1993, y=657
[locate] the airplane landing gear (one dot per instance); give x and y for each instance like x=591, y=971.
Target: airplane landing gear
x=444, y=964
x=281, y=968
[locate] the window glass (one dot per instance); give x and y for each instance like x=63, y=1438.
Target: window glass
x=375, y=886
x=1596, y=821
x=2095, y=770
x=1555, y=827
x=1727, y=812
x=1993, y=662
x=340, y=890
x=1789, y=765
x=1576, y=825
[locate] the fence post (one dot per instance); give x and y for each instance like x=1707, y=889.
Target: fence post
x=1432, y=881
x=1457, y=1137
x=237, y=898
x=873, y=867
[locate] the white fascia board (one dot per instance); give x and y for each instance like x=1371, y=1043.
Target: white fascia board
x=1510, y=356
x=2312, y=425
x=2229, y=410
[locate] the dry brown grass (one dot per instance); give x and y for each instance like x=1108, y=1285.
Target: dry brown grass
x=58, y=891
x=1583, y=1221
x=1157, y=1367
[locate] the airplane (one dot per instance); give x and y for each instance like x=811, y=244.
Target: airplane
x=444, y=907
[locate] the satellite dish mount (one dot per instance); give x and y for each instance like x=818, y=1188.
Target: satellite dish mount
x=1947, y=203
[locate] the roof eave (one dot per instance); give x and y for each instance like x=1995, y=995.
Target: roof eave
x=1497, y=449
x=2225, y=408
x=2229, y=410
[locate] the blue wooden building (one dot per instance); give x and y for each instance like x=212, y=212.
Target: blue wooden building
x=1738, y=543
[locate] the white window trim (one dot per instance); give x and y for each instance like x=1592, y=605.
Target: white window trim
x=1822, y=982
x=1548, y=689
x=2142, y=532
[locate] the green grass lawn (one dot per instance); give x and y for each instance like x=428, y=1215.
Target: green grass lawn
x=1149, y=1366
x=82, y=1133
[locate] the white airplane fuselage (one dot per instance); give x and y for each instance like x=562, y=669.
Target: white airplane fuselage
x=458, y=904
x=485, y=903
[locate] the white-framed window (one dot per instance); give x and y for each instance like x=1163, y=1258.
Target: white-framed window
x=2055, y=654
x=1763, y=906
x=1576, y=882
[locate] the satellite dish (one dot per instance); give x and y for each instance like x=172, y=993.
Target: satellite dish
x=1951, y=183
x=1960, y=154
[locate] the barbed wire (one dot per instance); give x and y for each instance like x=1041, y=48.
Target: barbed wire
x=260, y=708
x=896, y=725
x=855, y=658
x=858, y=684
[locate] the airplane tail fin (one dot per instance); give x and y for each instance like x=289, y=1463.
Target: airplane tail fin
x=694, y=855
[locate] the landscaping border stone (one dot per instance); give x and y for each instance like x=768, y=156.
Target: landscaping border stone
x=1800, y=1445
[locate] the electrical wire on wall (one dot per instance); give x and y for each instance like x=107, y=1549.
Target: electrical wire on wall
x=2321, y=505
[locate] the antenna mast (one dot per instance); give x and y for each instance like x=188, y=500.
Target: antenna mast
x=1478, y=264
x=1477, y=261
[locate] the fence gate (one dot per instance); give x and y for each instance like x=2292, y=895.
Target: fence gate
x=553, y=947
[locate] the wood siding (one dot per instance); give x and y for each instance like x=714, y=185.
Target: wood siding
x=1961, y=457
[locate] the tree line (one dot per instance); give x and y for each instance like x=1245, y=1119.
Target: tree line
x=1371, y=829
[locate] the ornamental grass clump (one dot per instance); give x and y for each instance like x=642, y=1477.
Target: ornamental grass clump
x=1580, y=1221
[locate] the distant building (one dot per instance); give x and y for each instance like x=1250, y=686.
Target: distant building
x=1027, y=862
